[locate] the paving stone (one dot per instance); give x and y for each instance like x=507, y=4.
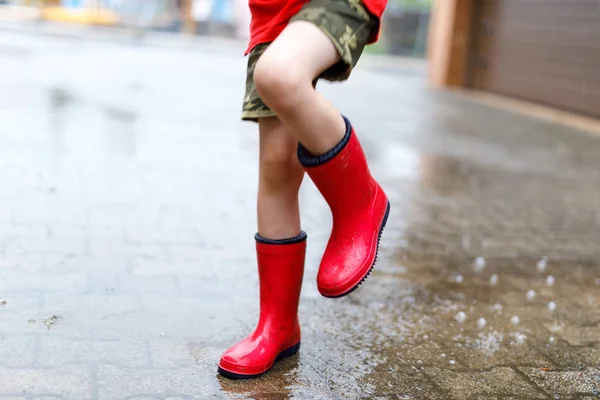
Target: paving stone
x=74, y=382
x=57, y=351
x=501, y=381
x=566, y=383
x=117, y=382
x=17, y=350
x=578, y=335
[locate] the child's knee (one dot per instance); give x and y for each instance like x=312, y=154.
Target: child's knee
x=279, y=80
x=279, y=168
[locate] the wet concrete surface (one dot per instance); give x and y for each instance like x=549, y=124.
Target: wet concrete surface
x=127, y=264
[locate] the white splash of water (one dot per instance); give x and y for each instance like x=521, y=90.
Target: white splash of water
x=519, y=338
x=551, y=306
x=481, y=322
x=479, y=264
x=531, y=294
x=541, y=265
x=515, y=320
x=494, y=279
x=550, y=280
x=489, y=343
x=460, y=317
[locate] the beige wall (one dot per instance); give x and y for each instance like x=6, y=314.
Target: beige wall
x=448, y=42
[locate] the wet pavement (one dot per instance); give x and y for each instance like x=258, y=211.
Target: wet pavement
x=127, y=222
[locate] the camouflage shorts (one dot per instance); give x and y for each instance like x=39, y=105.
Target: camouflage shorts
x=349, y=26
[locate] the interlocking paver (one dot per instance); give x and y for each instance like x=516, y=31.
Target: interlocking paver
x=566, y=383
x=72, y=382
x=118, y=382
x=500, y=381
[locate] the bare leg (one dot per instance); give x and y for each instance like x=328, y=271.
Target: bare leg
x=330, y=153
x=284, y=76
x=280, y=177
x=280, y=255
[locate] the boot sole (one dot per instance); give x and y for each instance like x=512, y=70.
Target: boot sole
x=383, y=223
x=290, y=351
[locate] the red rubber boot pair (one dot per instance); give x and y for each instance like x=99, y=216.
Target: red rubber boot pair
x=360, y=210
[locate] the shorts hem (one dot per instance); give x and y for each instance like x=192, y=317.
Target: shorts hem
x=255, y=115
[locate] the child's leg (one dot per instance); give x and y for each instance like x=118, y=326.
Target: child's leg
x=325, y=39
x=280, y=176
x=280, y=244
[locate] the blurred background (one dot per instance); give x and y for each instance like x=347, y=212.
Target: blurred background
x=407, y=32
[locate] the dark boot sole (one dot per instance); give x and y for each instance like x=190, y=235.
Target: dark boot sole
x=290, y=351
x=383, y=223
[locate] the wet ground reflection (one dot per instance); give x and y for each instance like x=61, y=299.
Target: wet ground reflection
x=130, y=217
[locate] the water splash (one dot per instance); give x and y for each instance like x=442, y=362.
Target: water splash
x=550, y=280
x=497, y=307
x=515, y=320
x=541, y=265
x=551, y=306
x=494, y=279
x=481, y=323
x=531, y=294
x=460, y=317
x=518, y=338
x=479, y=264
x=489, y=343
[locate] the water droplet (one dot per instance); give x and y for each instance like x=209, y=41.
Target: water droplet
x=452, y=362
x=551, y=306
x=551, y=340
x=497, y=307
x=519, y=338
x=549, y=280
x=515, y=320
x=530, y=294
x=494, y=279
x=444, y=355
x=458, y=279
x=481, y=322
x=541, y=265
x=479, y=264
x=461, y=317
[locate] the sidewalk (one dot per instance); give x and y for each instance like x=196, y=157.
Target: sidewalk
x=128, y=213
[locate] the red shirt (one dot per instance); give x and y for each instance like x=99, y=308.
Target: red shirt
x=270, y=17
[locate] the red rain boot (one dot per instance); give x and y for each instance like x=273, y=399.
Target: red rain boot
x=277, y=335
x=360, y=210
